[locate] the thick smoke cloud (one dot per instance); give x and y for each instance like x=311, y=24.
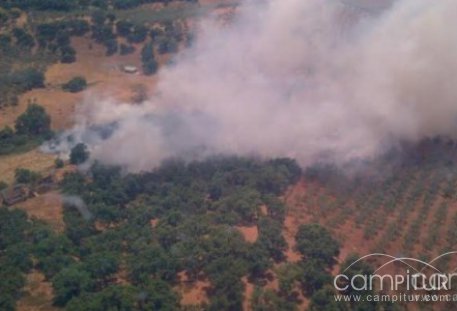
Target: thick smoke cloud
x=313, y=80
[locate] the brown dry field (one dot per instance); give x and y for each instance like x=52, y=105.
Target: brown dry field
x=104, y=75
x=33, y=160
x=46, y=207
x=38, y=294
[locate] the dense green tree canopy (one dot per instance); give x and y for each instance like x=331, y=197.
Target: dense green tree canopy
x=315, y=242
x=34, y=121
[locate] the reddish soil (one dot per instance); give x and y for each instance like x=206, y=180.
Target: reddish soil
x=295, y=216
x=248, y=291
x=303, y=208
x=192, y=292
x=250, y=233
x=291, y=225
x=154, y=222
x=47, y=207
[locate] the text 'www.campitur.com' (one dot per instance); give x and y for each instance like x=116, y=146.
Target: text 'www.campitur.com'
x=397, y=298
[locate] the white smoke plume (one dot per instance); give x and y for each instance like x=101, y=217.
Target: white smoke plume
x=312, y=80
x=77, y=203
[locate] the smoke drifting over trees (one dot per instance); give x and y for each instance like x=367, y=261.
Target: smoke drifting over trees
x=315, y=79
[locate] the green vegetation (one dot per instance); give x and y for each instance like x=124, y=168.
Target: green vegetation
x=69, y=5
x=14, y=82
x=15, y=243
x=315, y=242
x=34, y=122
x=77, y=84
x=150, y=65
x=79, y=154
x=197, y=206
x=3, y=185
x=137, y=234
x=27, y=49
x=126, y=49
x=32, y=127
x=59, y=163
x=26, y=176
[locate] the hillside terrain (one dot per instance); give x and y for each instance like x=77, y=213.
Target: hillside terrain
x=223, y=232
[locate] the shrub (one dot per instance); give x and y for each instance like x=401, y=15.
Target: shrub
x=5, y=42
x=98, y=17
x=26, y=176
x=126, y=49
x=111, y=47
x=147, y=53
x=77, y=84
x=168, y=45
x=79, y=154
x=125, y=4
x=23, y=38
x=150, y=67
x=59, y=163
x=3, y=185
x=68, y=54
x=138, y=34
x=27, y=79
x=34, y=121
x=123, y=28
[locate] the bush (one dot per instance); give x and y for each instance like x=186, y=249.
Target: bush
x=111, y=47
x=10, y=142
x=3, y=17
x=59, y=163
x=68, y=54
x=5, y=42
x=147, y=52
x=79, y=154
x=23, y=38
x=34, y=122
x=27, y=79
x=125, y=4
x=138, y=34
x=31, y=128
x=168, y=45
x=124, y=28
x=77, y=27
x=3, y=185
x=98, y=17
x=127, y=49
x=26, y=176
x=150, y=67
x=103, y=33
x=77, y=84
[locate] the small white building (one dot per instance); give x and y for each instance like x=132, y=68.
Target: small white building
x=129, y=69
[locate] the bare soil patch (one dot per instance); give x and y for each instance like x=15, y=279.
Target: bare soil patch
x=47, y=207
x=38, y=294
x=250, y=233
x=192, y=292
